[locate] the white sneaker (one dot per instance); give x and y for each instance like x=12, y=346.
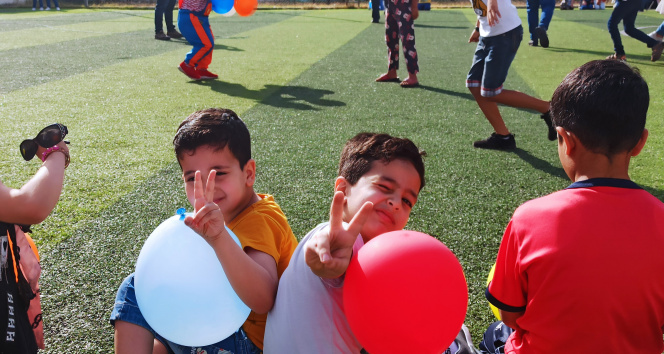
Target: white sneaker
x=34, y=9
x=48, y=9
x=57, y=8
x=41, y=9
x=655, y=36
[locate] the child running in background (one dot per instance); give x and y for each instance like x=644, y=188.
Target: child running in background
x=580, y=270
x=213, y=149
x=626, y=11
x=399, y=19
x=195, y=27
x=498, y=34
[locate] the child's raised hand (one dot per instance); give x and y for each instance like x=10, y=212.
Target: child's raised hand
x=329, y=251
x=493, y=14
x=208, y=220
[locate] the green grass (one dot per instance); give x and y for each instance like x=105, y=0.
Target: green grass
x=303, y=82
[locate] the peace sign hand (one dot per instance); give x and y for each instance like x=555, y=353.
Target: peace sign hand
x=208, y=220
x=329, y=251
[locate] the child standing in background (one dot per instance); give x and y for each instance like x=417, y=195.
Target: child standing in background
x=194, y=25
x=399, y=25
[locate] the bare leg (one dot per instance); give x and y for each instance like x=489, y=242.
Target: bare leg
x=410, y=80
x=520, y=100
x=132, y=339
x=159, y=348
x=490, y=110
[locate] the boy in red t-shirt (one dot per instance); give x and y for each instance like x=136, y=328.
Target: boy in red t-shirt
x=580, y=270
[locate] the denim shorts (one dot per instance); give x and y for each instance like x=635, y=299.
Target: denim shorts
x=126, y=309
x=492, y=61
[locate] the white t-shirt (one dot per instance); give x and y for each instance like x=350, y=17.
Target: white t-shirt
x=509, y=17
x=308, y=315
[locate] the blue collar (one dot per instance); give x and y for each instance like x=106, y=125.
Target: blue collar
x=604, y=182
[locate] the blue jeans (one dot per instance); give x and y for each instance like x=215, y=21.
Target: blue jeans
x=200, y=55
x=375, y=10
x=626, y=12
x=34, y=3
x=492, y=61
x=126, y=309
x=660, y=29
x=164, y=9
x=532, y=7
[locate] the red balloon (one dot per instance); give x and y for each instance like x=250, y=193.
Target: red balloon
x=405, y=289
x=246, y=7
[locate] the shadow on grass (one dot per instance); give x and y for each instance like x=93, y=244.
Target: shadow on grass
x=469, y=96
x=465, y=95
x=540, y=164
x=290, y=97
x=422, y=25
x=217, y=46
x=334, y=18
x=643, y=59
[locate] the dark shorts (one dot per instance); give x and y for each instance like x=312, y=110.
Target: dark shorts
x=126, y=309
x=492, y=61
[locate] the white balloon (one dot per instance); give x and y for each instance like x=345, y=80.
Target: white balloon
x=230, y=13
x=182, y=290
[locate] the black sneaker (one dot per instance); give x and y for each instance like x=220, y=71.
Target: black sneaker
x=552, y=134
x=497, y=142
x=162, y=36
x=174, y=34
x=542, y=37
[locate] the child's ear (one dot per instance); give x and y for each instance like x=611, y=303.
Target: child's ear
x=642, y=142
x=340, y=184
x=250, y=172
x=567, y=139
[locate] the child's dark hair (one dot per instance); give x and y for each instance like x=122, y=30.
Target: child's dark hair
x=604, y=103
x=217, y=128
x=365, y=148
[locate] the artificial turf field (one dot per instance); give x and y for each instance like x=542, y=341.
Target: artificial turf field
x=303, y=83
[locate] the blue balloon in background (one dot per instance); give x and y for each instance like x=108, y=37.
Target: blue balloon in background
x=222, y=6
x=182, y=290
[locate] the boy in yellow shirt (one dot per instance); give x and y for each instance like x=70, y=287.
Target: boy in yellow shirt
x=214, y=151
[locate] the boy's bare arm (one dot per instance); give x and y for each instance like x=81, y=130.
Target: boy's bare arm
x=509, y=318
x=328, y=252
x=475, y=36
x=252, y=274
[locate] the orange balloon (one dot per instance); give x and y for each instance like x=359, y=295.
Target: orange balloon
x=246, y=8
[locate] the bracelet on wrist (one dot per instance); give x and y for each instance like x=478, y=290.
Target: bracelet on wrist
x=477, y=29
x=53, y=149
